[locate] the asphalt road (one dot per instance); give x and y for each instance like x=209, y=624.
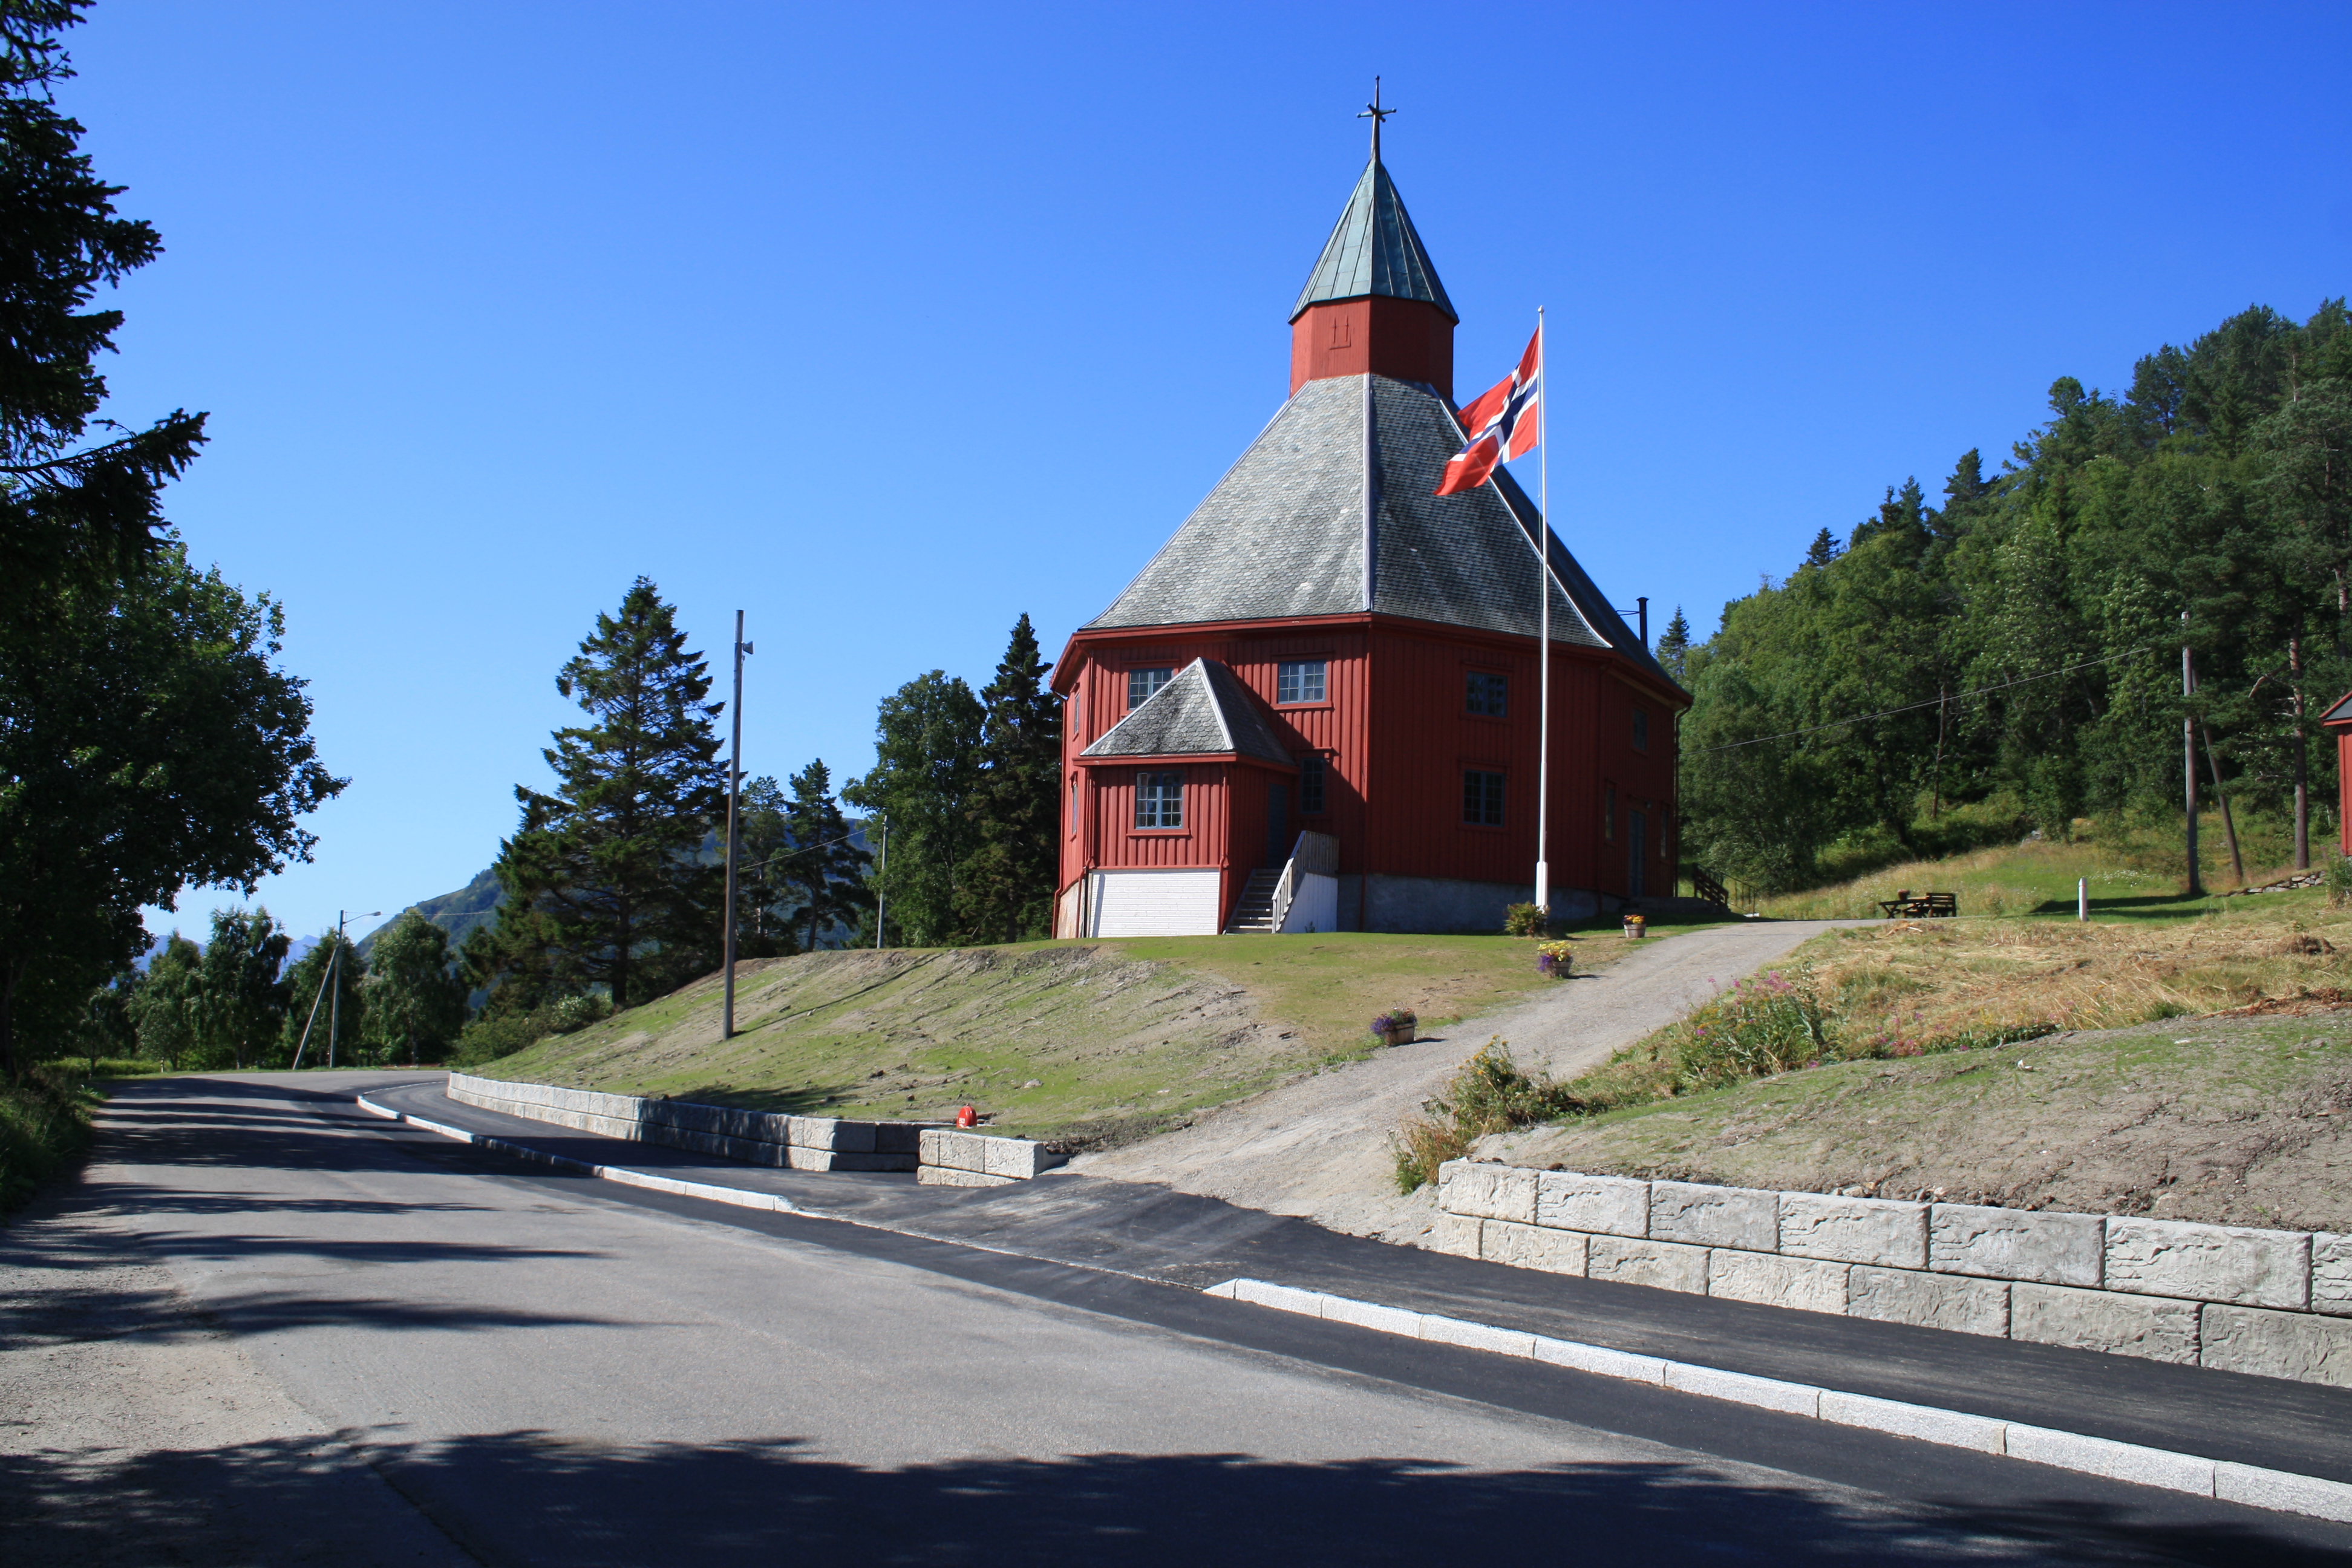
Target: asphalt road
x=265, y=1328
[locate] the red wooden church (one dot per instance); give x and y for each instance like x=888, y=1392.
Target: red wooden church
x=1315, y=707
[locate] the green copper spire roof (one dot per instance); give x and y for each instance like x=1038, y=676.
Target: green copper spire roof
x=1374, y=250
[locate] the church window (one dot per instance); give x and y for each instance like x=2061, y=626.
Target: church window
x=1074, y=805
x=1299, y=681
x=1159, y=799
x=1481, y=797
x=1609, y=811
x=1640, y=728
x=1142, y=683
x=1310, y=785
x=1487, y=692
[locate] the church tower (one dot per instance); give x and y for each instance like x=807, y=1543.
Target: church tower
x=1373, y=303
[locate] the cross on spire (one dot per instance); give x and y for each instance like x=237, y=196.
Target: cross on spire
x=1375, y=114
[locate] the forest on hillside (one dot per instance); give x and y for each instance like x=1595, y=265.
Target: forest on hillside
x=2015, y=648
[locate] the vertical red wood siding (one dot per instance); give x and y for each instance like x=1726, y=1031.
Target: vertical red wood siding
x=1396, y=734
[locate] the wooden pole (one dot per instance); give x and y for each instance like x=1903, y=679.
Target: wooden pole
x=734, y=826
x=2229, y=821
x=2189, y=758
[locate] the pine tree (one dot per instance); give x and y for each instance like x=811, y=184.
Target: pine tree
x=824, y=868
x=605, y=881
x=1008, y=888
x=926, y=746
x=1826, y=549
x=1674, y=645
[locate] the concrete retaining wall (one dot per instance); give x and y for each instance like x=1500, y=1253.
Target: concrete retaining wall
x=953, y=1157
x=755, y=1137
x=2272, y=1302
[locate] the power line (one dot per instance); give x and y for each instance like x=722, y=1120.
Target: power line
x=1933, y=703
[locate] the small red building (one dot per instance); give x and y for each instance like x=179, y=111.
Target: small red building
x=2337, y=721
x=1315, y=707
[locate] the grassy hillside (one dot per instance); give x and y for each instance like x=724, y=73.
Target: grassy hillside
x=2134, y=871
x=2230, y=1121
x=1096, y=1041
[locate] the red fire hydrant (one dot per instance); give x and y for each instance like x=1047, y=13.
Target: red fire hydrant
x=967, y=1117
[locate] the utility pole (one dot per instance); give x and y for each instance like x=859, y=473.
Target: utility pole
x=2189, y=756
x=734, y=827
x=335, y=991
x=881, y=894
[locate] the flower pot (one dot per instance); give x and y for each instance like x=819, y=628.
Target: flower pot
x=1637, y=926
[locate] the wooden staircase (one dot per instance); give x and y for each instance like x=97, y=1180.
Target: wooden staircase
x=1254, y=914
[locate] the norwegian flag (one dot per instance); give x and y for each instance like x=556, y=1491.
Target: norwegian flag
x=1503, y=423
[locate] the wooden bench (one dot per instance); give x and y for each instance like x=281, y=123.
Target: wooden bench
x=1909, y=905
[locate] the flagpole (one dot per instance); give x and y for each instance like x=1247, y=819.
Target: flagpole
x=1543, y=621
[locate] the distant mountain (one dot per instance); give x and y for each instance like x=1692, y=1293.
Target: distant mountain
x=457, y=913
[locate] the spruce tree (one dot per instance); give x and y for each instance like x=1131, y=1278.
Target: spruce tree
x=1824, y=549
x=764, y=906
x=1674, y=645
x=824, y=870
x=927, y=749
x=1008, y=888
x=605, y=883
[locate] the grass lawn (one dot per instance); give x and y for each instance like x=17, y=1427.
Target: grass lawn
x=1095, y=1042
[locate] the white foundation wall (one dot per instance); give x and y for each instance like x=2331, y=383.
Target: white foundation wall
x=1315, y=906
x=1154, y=903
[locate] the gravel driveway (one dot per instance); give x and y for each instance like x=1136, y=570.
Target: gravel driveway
x=1320, y=1147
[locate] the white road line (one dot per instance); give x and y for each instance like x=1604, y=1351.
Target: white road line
x=2277, y=1490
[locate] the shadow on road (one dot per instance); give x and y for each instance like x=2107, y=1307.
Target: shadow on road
x=532, y=1497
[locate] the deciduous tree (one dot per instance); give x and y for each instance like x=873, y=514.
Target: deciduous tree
x=416, y=1002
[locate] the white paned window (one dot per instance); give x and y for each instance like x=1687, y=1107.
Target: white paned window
x=1159, y=799
x=1299, y=681
x=1142, y=683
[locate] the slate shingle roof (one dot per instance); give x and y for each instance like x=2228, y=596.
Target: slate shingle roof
x=1342, y=479
x=1204, y=710
x=1373, y=249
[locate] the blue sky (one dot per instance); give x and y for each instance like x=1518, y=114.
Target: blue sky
x=888, y=326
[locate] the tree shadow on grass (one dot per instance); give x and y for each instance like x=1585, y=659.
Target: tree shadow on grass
x=535, y=1497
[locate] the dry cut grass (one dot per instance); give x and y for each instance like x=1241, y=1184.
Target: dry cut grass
x=1913, y=983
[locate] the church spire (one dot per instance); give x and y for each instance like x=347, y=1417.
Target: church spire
x=1374, y=301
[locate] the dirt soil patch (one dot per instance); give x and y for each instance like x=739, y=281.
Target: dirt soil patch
x=2244, y=1120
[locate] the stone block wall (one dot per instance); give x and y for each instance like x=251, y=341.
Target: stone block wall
x=2271, y=1302
x=954, y=1157
x=761, y=1137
